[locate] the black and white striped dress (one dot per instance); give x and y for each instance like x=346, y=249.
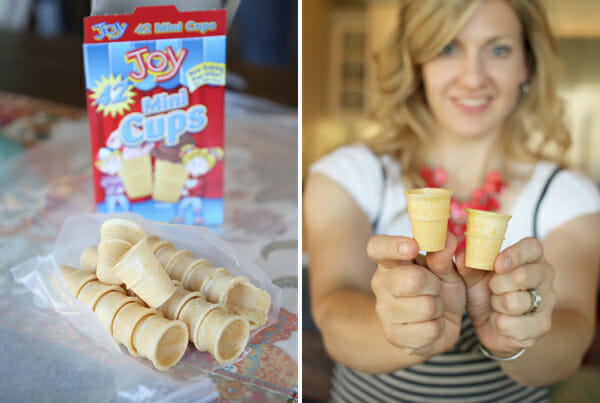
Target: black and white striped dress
x=460, y=375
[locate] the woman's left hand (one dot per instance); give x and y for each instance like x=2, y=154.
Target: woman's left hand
x=498, y=301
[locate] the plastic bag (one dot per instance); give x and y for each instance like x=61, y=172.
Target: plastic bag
x=41, y=276
x=104, y=7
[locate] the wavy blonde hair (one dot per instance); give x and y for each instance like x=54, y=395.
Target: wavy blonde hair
x=534, y=129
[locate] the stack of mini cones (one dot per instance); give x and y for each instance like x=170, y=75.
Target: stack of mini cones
x=137, y=285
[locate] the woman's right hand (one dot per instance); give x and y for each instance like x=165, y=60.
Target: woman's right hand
x=419, y=299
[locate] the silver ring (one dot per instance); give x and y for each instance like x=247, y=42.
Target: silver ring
x=536, y=300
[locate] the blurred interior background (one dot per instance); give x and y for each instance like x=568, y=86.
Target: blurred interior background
x=40, y=49
x=339, y=38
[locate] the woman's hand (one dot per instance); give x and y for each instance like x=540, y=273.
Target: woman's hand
x=498, y=301
x=420, y=300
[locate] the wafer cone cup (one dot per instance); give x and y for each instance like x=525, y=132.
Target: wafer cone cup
x=484, y=237
x=169, y=179
x=88, y=260
x=109, y=305
x=179, y=263
x=76, y=279
x=252, y=302
x=162, y=341
x=136, y=175
x=192, y=314
x=197, y=277
x=141, y=271
x=183, y=267
x=121, y=228
x=152, y=241
x=109, y=253
x=238, y=292
x=172, y=308
x=428, y=210
x=158, y=248
x=224, y=334
x=125, y=322
x=91, y=293
x=165, y=252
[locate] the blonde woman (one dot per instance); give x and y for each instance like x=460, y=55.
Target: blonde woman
x=468, y=104
x=198, y=162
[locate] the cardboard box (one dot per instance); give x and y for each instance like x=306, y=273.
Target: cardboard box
x=155, y=84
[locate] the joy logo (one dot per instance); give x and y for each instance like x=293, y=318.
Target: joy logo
x=110, y=31
x=163, y=65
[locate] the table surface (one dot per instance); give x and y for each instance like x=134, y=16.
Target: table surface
x=45, y=177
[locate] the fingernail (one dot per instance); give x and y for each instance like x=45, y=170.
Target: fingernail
x=507, y=262
x=409, y=351
x=403, y=248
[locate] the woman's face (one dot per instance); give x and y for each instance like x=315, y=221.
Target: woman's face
x=473, y=84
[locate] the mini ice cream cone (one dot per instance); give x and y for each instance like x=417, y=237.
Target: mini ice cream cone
x=225, y=335
x=218, y=286
x=484, y=237
x=428, y=210
x=182, y=262
x=141, y=271
x=89, y=259
x=165, y=252
x=172, y=308
x=109, y=305
x=192, y=314
x=215, y=283
x=169, y=179
x=91, y=293
x=196, y=278
x=252, y=302
x=162, y=341
x=76, y=279
x=153, y=241
x=120, y=228
x=157, y=247
x=238, y=292
x=109, y=253
x=179, y=263
x=136, y=175
x=125, y=322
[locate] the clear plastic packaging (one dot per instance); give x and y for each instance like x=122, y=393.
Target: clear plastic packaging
x=41, y=276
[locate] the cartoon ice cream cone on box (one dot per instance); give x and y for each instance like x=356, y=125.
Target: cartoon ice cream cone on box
x=197, y=162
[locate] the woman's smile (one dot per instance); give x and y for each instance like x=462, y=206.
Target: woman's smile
x=472, y=105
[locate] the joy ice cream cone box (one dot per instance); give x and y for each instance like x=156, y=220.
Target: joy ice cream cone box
x=155, y=83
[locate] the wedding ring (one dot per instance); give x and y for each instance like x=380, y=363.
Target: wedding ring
x=536, y=300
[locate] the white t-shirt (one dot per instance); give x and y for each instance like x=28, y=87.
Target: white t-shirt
x=359, y=171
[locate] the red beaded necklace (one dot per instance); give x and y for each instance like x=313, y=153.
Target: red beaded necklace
x=484, y=198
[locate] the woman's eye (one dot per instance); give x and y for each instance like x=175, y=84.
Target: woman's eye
x=500, y=50
x=449, y=49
